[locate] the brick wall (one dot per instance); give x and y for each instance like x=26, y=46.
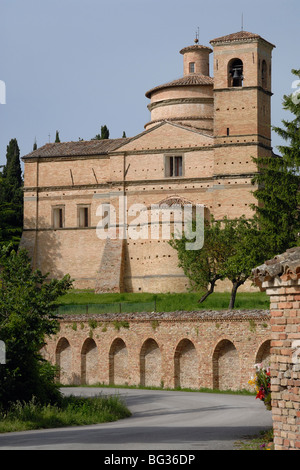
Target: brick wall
x=186, y=349
x=280, y=279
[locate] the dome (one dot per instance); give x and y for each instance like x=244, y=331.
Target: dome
x=187, y=100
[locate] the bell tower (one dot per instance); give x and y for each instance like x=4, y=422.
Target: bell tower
x=242, y=102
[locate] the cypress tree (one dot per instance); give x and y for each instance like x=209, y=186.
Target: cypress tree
x=11, y=197
x=104, y=134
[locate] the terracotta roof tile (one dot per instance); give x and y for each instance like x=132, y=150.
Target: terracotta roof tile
x=193, y=79
x=286, y=266
x=195, y=47
x=241, y=35
x=80, y=148
x=238, y=37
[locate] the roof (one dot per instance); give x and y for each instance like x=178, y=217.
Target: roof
x=195, y=47
x=194, y=79
x=285, y=266
x=67, y=149
x=240, y=36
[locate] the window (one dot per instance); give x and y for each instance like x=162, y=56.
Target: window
x=83, y=216
x=173, y=166
x=58, y=217
x=192, y=67
x=264, y=74
x=235, y=73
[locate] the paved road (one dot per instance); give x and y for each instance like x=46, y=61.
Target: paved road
x=160, y=420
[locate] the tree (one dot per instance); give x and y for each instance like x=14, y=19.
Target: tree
x=278, y=184
x=57, y=139
x=27, y=315
x=11, y=197
x=203, y=267
x=124, y=135
x=231, y=249
x=245, y=250
x=35, y=145
x=104, y=134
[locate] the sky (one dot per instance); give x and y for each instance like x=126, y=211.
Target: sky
x=75, y=65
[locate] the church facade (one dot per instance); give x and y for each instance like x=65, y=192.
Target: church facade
x=196, y=150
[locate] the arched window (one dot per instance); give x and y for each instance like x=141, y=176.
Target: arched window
x=235, y=73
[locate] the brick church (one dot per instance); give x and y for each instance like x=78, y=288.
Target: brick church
x=196, y=149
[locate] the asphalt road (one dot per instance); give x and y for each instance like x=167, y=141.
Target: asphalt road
x=160, y=420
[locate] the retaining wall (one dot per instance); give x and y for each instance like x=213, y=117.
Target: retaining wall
x=178, y=349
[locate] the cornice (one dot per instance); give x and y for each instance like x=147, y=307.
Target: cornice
x=243, y=88
x=127, y=183
x=174, y=101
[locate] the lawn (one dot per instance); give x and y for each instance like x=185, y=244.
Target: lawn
x=76, y=301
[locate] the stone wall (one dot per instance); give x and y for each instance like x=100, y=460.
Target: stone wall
x=178, y=349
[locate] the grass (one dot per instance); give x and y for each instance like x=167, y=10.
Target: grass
x=167, y=302
x=263, y=441
x=163, y=388
x=72, y=411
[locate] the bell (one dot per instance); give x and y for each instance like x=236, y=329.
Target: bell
x=236, y=74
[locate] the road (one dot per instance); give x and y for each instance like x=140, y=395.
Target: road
x=161, y=420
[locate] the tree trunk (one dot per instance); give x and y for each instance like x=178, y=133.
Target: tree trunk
x=210, y=291
x=234, y=289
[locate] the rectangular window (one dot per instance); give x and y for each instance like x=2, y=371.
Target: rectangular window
x=83, y=216
x=192, y=67
x=173, y=166
x=58, y=217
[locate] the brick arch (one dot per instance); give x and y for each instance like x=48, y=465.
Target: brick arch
x=63, y=359
x=237, y=65
x=89, y=362
x=118, y=363
x=263, y=354
x=150, y=364
x=186, y=364
x=226, y=366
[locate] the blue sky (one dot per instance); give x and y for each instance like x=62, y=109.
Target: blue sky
x=74, y=65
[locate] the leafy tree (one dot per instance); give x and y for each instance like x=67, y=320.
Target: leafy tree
x=124, y=135
x=245, y=250
x=278, y=184
x=231, y=249
x=203, y=267
x=35, y=145
x=27, y=316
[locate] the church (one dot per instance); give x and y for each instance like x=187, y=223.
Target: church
x=196, y=150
